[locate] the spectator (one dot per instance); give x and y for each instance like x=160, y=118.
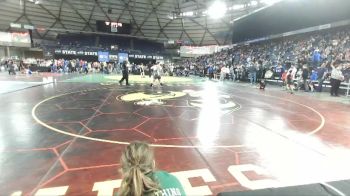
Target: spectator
x=11, y=68
x=224, y=71
x=316, y=58
x=305, y=76
x=279, y=71
x=289, y=81
x=321, y=75
x=313, y=80
x=284, y=80
x=252, y=73
x=232, y=73
x=211, y=72
x=140, y=176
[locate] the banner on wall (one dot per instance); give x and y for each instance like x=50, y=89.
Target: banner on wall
x=75, y=52
x=107, y=56
x=143, y=56
x=195, y=51
x=123, y=57
x=90, y=53
x=69, y=52
x=103, y=56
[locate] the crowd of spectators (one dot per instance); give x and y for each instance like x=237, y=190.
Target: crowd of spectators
x=28, y=66
x=272, y=59
x=31, y=65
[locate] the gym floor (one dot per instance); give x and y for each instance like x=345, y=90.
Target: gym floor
x=63, y=134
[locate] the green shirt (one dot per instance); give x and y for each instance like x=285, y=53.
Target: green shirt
x=169, y=184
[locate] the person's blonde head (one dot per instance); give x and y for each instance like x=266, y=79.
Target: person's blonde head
x=137, y=161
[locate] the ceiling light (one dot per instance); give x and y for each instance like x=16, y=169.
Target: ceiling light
x=253, y=3
x=237, y=7
x=270, y=2
x=217, y=10
x=188, y=13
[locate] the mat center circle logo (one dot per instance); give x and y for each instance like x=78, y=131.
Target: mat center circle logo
x=197, y=99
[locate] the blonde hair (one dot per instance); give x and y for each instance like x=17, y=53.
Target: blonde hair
x=136, y=161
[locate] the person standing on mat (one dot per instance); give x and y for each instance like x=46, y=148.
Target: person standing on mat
x=11, y=68
x=140, y=176
x=157, y=71
x=125, y=74
x=142, y=70
x=149, y=69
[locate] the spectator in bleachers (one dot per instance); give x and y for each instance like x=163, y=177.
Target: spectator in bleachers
x=313, y=80
x=252, y=73
x=11, y=68
x=316, y=58
x=211, y=72
x=279, y=70
x=305, y=76
x=321, y=76
x=232, y=73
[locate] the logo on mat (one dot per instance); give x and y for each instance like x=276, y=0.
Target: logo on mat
x=197, y=99
x=143, y=98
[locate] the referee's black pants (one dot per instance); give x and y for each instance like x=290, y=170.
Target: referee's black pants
x=125, y=77
x=335, y=84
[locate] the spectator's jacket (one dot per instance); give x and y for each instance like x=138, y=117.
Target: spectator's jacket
x=320, y=72
x=279, y=71
x=252, y=69
x=314, y=76
x=316, y=57
x=210, y=70
x=284, y=76
x=305, y=74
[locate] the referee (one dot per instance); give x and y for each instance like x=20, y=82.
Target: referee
x=125, y=74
